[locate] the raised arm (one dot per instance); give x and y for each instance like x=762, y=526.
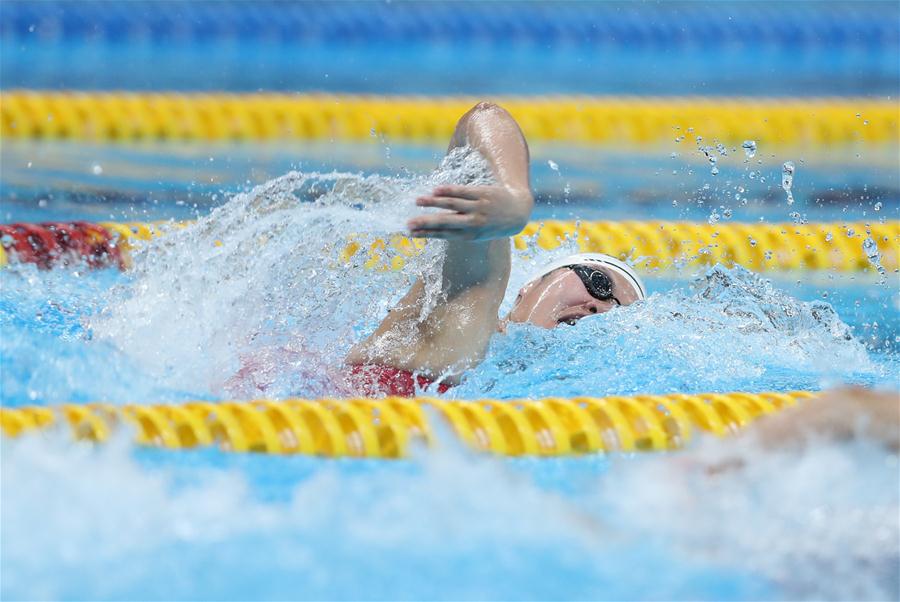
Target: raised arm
x=477, y=224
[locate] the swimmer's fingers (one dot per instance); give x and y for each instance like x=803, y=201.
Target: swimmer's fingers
x=448, y=202
x=473, y=193
x=440, y=225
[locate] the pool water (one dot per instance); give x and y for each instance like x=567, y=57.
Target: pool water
x=259, y=281
x=257, y=299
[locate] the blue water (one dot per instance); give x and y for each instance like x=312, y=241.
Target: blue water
x=685, y=48
x=43, y=181
x=205, y=524
x=118, y=522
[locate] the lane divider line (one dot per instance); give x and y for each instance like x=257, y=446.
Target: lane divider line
x=650, y=245
x=616, y=120
x=385, y=428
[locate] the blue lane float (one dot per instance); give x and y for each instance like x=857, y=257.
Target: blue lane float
x=795, y=25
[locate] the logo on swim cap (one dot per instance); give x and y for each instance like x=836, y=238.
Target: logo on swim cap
x=607, y=261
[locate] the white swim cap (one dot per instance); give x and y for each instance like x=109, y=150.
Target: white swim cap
x=607, y=261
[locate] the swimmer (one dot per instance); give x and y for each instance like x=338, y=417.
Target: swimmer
x=414, y=347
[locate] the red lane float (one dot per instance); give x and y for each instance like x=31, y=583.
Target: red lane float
x=51, y=244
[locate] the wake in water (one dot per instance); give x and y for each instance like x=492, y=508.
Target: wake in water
x=264, y=297
x=817, y=523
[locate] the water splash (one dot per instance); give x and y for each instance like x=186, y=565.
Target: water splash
x=268, y=273
x=675, y=342
x=787, y=180
x=870, y=248
x=749, y=147
x=83, y=522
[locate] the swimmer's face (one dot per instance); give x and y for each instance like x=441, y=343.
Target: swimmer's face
x=560, y=297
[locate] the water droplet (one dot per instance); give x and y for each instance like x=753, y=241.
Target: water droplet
x=674, y=203
x=877, y=206
x=870, y=247
x=713, y=217
x=749, y=147
x=865, y=122
x=29, y=166
x=42, y=203
x=752, y=241
x=722, y=150
x=829, y=237
x=553, y=165
x=768, y=255
x=752, y=175
x=727, y=213
x=674, y=155
x=714, y=171
x=699, y=138
x=96, y=169
x=851, y=232
x=679, y=138
x=31, y=28
x=372, y=133
x=787, y=180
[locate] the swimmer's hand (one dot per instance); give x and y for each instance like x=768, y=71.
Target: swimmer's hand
x=839, y=415
x=473, y=213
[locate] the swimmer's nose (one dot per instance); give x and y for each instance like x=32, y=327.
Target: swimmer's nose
x=595, y=306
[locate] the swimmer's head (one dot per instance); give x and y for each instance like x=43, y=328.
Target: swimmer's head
x=575, y=287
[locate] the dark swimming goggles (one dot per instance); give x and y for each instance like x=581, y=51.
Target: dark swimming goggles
x=597, y=283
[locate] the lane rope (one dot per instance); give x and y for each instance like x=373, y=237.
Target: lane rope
x=650, y=245
x=677, y=27
x=385, y=428
x=124, y=117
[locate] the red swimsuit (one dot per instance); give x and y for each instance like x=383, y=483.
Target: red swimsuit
x=377, y=381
